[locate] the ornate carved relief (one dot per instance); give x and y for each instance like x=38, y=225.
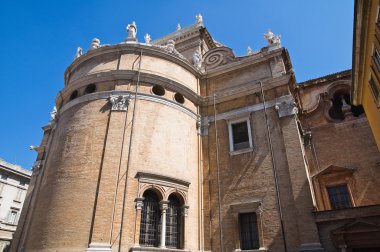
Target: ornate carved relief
x=119, y=102
x=218, y=56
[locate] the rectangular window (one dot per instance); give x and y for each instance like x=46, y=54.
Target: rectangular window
x=19, y=195
x=339, y=197
x=12, y=218
x=249, y=235
x=240, y=135
x=375, y=90
x=376, y=58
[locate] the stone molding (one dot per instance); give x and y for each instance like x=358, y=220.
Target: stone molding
x=129, y=75
x=237, y=113
x=99, y=247
x=163, y=184
x=155, y=249
x=246, y=207
x=130, y=48
x=106, y=94
x=348, y=213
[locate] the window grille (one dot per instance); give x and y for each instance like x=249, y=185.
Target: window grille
x=339, y=197
x=173, y=223
x=249, y=237
x=150, y=216
x=240, y=135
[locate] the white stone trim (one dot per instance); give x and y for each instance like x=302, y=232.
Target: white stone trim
x=106, y=94
x=230, y=136
x=237, y=113
x=99, y=247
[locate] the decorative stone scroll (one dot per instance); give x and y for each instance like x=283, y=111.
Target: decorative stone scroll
x=218, y=56
x=119, y=102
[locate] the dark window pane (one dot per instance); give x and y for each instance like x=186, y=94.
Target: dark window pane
x=240, y=135
x=173, y=222
x=339, y=197
x=376, y=58
x=150, y=215
x=249, y=237
x=374, y=88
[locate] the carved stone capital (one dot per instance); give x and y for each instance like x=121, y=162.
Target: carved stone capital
x=185, y=210
x=164, y=205
x=139, y=203
x=119, y=102
x=286, y=108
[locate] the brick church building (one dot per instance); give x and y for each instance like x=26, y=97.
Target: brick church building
x=177, y=144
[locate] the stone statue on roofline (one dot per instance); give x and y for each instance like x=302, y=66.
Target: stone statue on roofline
x=147, y=39
x=273, y=40
x=95, y=43
x=132, y=31
x=78, y=53
x=199, y=20
x=249, y=50
x=178, y=27
x=197, y=59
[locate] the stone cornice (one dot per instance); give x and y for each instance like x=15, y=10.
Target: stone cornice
x=106, y=94
x=237, y=113
x=128, y=75
x=349, y=213
x=249, y=87
x=155, y=177
x=130, y=48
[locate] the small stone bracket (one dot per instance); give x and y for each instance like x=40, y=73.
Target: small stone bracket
x=119, y=102
x=286, y=108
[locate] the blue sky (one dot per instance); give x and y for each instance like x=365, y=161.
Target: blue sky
x=39, y=38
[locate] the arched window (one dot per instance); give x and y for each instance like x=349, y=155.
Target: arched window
x=150, y=218
x=173, y=223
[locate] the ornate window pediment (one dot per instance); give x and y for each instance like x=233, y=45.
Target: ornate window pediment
x=335, y=187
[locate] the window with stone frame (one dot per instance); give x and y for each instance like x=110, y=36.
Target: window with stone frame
x=249, y=234
x=161, y=204
x=150, y=218
x=247, y=219
x=240, y=135
x=334, y=188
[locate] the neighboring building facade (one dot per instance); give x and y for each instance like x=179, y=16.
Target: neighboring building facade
x=14, y=181
x=175, y=145
x=343, y=162
x=366, y=62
